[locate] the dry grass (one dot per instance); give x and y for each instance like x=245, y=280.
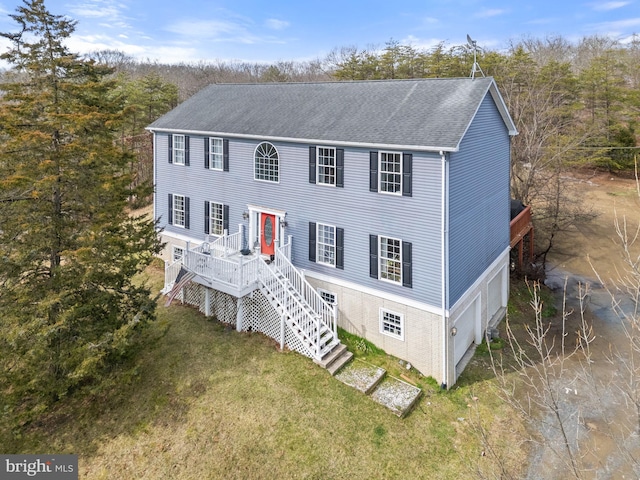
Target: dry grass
x=208, y=402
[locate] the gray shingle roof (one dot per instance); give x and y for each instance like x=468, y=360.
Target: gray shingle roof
x=427, y=113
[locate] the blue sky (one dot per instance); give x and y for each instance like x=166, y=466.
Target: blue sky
x=269, y=31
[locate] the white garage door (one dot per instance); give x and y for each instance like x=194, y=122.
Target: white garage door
x=466, y=329
x=495, y=289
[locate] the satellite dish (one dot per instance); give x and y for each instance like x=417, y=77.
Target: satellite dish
x=476, y=67
x=472, y=43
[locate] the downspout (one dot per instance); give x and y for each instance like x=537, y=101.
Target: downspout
x=155, y=173
x=445, y=266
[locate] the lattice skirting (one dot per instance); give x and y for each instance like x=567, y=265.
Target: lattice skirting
x=258, y=315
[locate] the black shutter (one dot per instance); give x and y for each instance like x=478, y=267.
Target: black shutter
x=186, y=213
x=407, y=278
x=207, y=216
x=312, y=242
x=186, y=150
x=225, y=154
x=206, y=152
x=170, y=151
x=225, y=218
x=339, y=167
x=170, y=222
x=373, y=256
x=407, y=168
x=373, y=172
x=340, y=248
x=312, y=164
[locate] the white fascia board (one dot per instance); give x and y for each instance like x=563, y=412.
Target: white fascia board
x=502, y=107
x=182, y=237
x=372, y=291
x=267, y=138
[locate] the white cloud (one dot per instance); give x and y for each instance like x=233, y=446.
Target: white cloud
x=430, y=20
x=606, y=6
x=110, y=12
x=420, y=43
x=275, y=24
x=219, y=31
x=492, y=12
x=626, y=24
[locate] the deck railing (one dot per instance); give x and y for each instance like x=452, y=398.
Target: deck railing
x=521, y=225
x=171, y=273
x=238, y=273
x=224, y=246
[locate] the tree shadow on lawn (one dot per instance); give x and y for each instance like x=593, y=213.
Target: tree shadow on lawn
x=156, y=386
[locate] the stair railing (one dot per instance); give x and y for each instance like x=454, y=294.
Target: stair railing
x=280, y=289
x=171, y=271
x=310, y=294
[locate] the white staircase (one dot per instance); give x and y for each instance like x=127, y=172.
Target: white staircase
x=310, y=319
x=220, y=266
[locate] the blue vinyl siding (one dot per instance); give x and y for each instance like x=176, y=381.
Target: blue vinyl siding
x=479, y=199
x=353, y=208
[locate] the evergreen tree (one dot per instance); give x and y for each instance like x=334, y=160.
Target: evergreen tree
x=68, y=306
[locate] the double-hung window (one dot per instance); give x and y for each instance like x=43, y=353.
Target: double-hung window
x=179, y=150
x=326, y=166
x=391, y=173
x=216, y=154
x=391, y=324
x=216, y=218
x=266, y=163
x=178, y=210
x=326, y=245
x=390, y=259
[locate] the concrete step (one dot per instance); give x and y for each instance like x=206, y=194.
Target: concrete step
x=331, y=356
x=340, y=362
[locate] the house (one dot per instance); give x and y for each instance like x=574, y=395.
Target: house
x=381, y=207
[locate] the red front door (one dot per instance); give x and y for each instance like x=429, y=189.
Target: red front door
x=268, y=233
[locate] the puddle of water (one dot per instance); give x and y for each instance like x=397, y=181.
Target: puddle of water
x=600, y=424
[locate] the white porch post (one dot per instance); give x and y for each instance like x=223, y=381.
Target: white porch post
x=225, y=241
x=290, y=242
x=207, y=302
x=239, y=315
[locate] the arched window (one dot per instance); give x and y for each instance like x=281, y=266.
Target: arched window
x=266, y=163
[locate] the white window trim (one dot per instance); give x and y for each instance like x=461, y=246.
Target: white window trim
x=175, y=149
x=335, y=250
x=212, y=154
x=254, y=164
x=318, y=166
x=399, y=192
x=322, y=292
x=389, y=334
x=174, y=249
x=184, y=210
x=211, y=204
x=393, y=282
